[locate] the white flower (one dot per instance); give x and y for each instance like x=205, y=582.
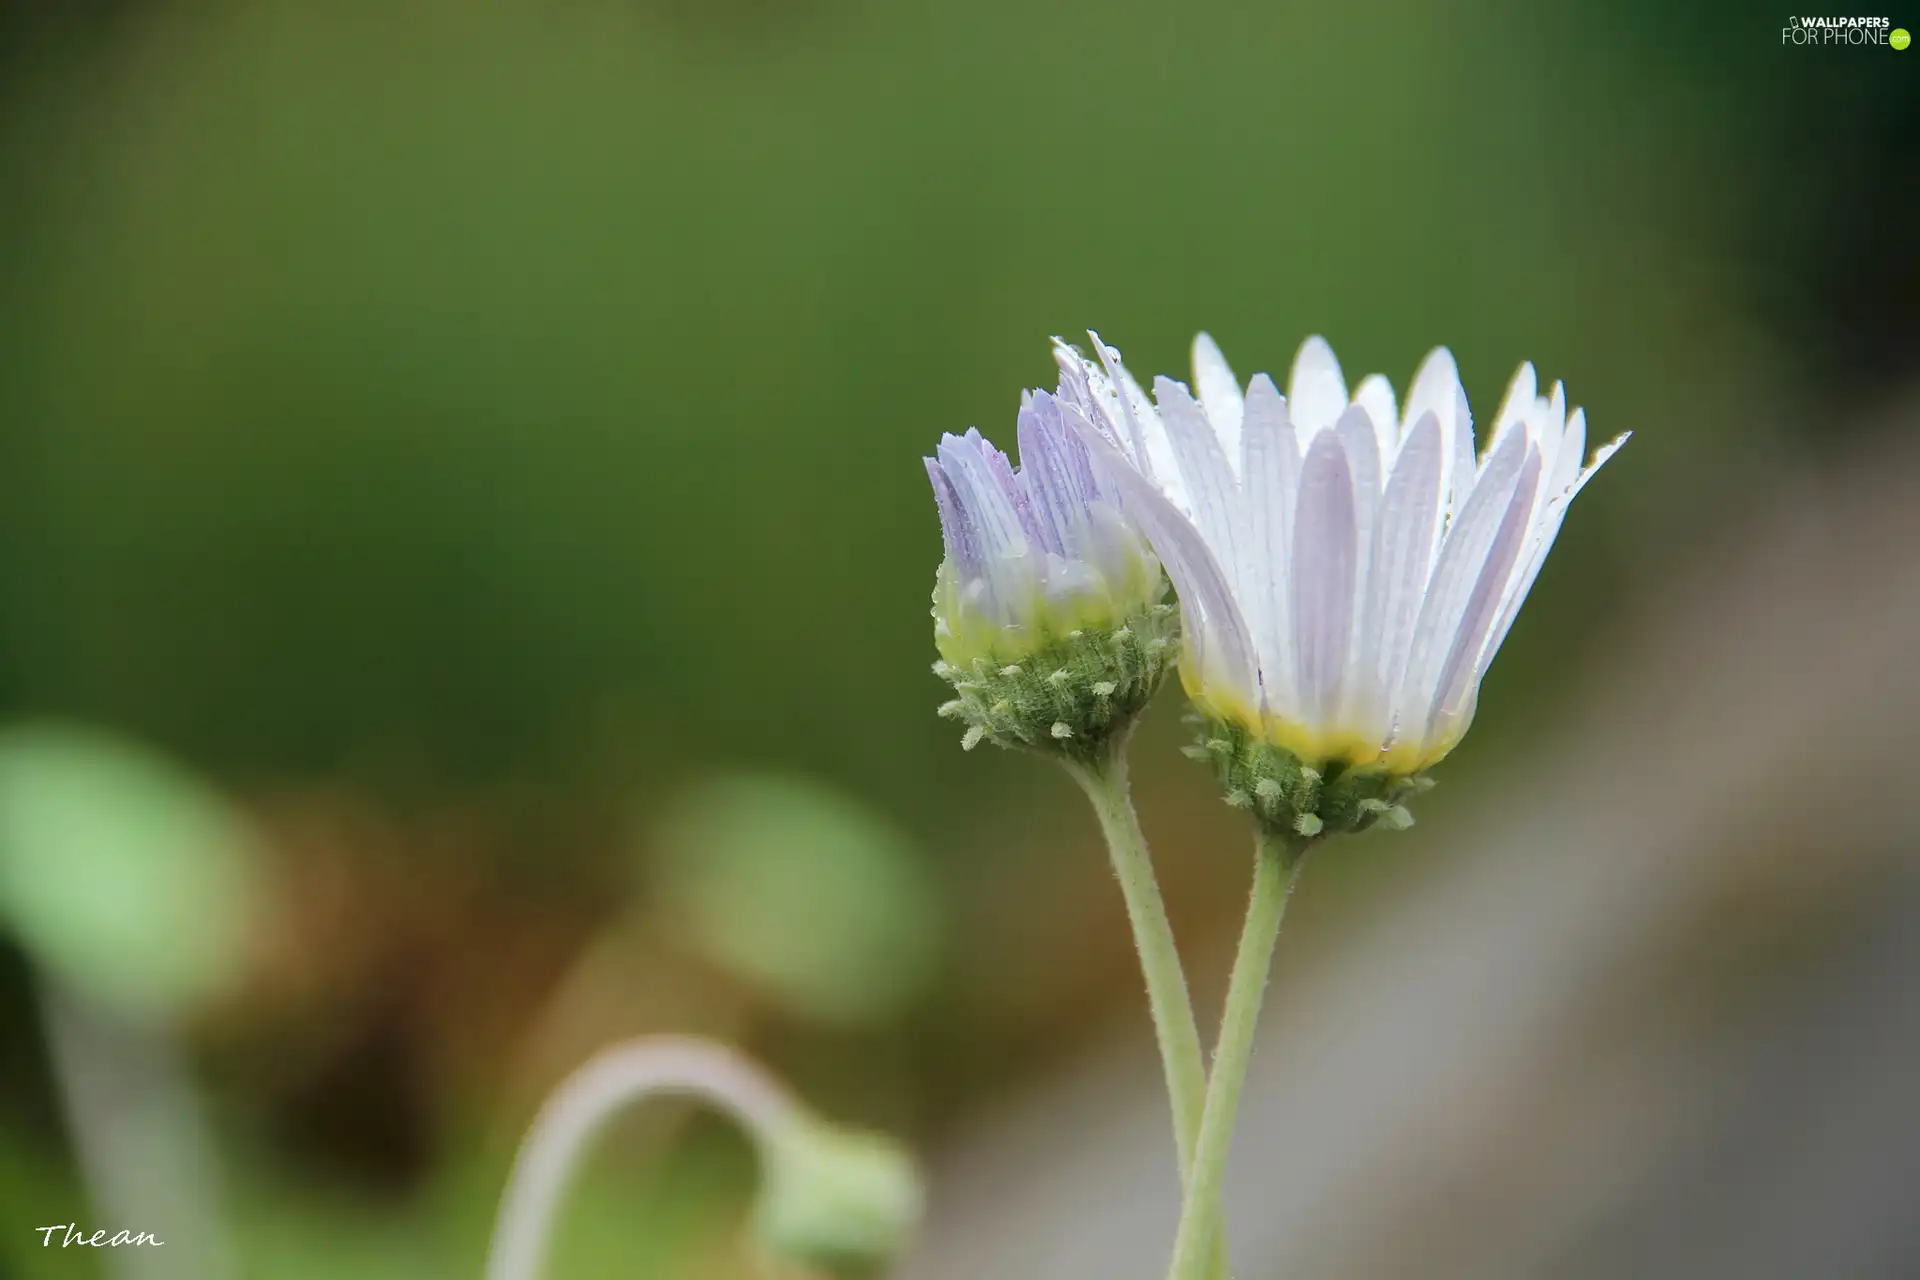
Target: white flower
x=1032, y=555
x=1346, y=571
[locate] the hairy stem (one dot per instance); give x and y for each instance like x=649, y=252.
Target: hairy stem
x=1278, y=861
x=1175, y=1028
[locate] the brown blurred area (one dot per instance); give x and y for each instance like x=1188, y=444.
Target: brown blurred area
x=472, y=450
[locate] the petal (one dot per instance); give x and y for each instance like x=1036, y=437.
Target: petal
x=1357, y=437
x=1547, y=429
x=1270, y=471
x=1461, y=671
x=1436, y=389
x=1404, y=537
x=1009, y=481
x=1362, y=443
x=1316, y=393
x=1375, y=395
x=1216, y=639
x=1362, y=447
x=1108, y=397
x=1546, y=528
x=1463, y=469
x=1600, y=457
x=1324, y=555
x=1203, y=467
x=1219, y=395
x=1462, y=556
x=1079, y=429
x=1076, y=387
x=1097, y=545
x=969, y=463
x=1152, y=450
x=1570, y=453
x=1516, y=408
x=1058, y=484
x=997, y=462
x=957, y=529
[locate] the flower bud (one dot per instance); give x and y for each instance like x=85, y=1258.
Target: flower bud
x=841, y=1201
x=1049, y=609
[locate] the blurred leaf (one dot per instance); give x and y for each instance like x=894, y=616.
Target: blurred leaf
x=805, y=892
x=118, y=871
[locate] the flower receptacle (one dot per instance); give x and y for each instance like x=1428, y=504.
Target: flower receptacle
x=1288, y=795
x=1071, y=695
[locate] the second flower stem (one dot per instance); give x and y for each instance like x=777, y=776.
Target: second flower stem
x=1175, y=1028
x=1278, y=860
x=1107, y=786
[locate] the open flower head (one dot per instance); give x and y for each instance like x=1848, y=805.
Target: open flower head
x=1347, y=569
x=1048, y=606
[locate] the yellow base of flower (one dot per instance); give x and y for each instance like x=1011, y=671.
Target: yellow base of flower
x=964, y=635
x=1320, y=748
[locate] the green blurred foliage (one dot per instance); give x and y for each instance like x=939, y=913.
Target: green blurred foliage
x=126, y=878
x=802, y=892
x=427, y=380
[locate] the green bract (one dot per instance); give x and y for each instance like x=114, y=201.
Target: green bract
x=1288, y=795
x=1072, y=694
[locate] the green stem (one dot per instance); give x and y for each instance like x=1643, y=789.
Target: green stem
x=1277, y=864
x=1174, y=1026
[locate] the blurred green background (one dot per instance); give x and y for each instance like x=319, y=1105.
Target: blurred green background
x=469, y=438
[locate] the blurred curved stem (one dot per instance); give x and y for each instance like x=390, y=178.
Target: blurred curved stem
x=139, y=1138
x=607, y=1084
x=1107, y=786
x=1278, y=861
